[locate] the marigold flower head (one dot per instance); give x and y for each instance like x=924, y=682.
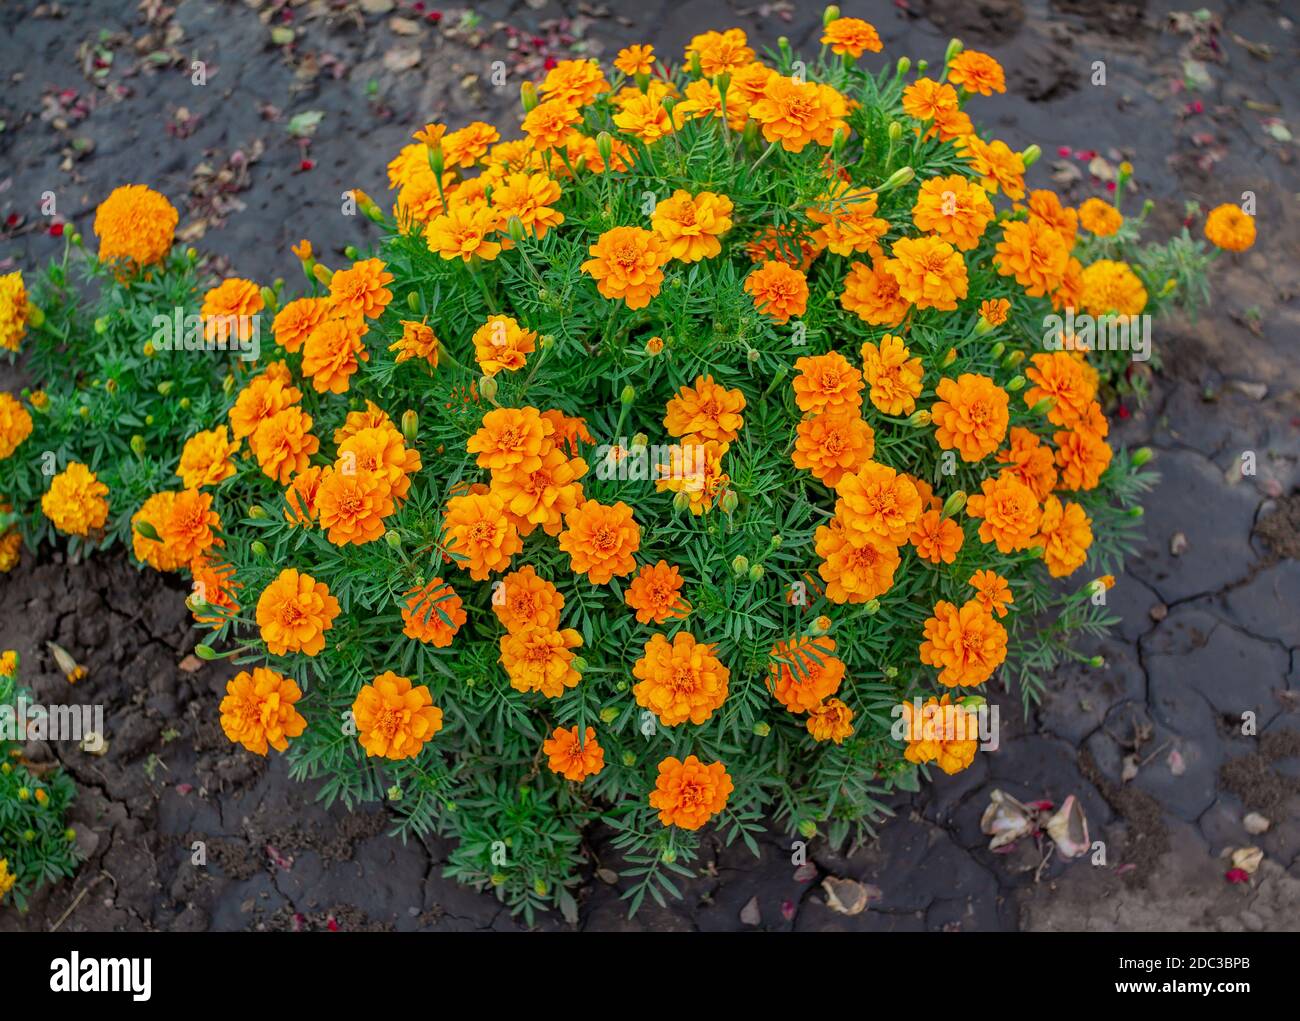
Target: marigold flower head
x=655, y=593
x=522, y=600
x=433, y=613
x=704, y=99
x=627, y=263
x=548, y=125
x=954, y=209
x=690, y=225
x=294, y=612
x=833, y=443
x=11, y=544
x=479, y=535
x=1112, y=287
x=645, y=117
x=965, y=645
x=635, y=60
x=1081, y=455
x=831, y=721
x=1064, y=378
x=189, y=528
x=779, y=290
x=135, y=223
x=694, y=467
x=351, y=505
x=1065, y=533
x=852, y=36
x=470, y=144
x=1046, y=206
x=154, y=512
x=394, y=718
x=977, y=72
x=1100, y=217
x=1034, y=253
x=576, y=82
x=926, y=98
x=76, y=502
x=14, y=310
x=265, y=395
x=970, y=416
x=600, y=540
x=872, y=292
x=300, y=496
x=359, y=292
x=283, y=444
x=943, y=732
x=936, y=538
x=15, y=424
x=213, y=584
x=847, y=222
x=707, y=410
x=994, y=312
x=992, y=591
x=259, y=711
x=1229, y=228
x=680, y=680
x=333, y=352
x=227, y=310
x=502, y=344
x=417, y=341
x=995, y=164
x=857, y=566
x=464, y=232
x=206, y=458
x=876, y=501
x=795, y=113
x=544, y=494
x=295, y=322
x=511, y=438
x=381, y=449
x=827, y=383
x=572, y=758
x=720, y=52
x=803, y=672
x=1030, y=461
x=541, y=659
x=930, y=272
x=894, y=377
x=688, y=794
x=1070, y=292
x=1009, y=510
x=530, y=198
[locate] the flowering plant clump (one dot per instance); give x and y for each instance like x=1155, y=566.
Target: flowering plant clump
x=36, y=844
x=693, y=458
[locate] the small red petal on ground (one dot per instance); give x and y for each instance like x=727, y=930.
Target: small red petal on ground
x=298, y=921
x=184, y=788
x=306, y=164
x=332, y=925
x=11, y=220
x=1063, y=150
x=787, y=910
x=550, y=63
x=1124, y=412
x=56, y=230
x=434, y=16
x=1236, y=876
x=1110, y=185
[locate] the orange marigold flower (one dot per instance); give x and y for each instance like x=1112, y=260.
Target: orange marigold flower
x=977, y=72
x=690, y=225
x=872, y=293
x=1070, y=293
x=655, y=594
x=295, y=322
x=14, y=310
x=502, y=344
x=11, y=544
x=333, y=353
x=227, y=310
x=1065, y=533
x=1112, y=287
x=213, y=585
x=1100, y=217
x=359, y=291
x=576, y=82
x=351, y=505
x=804, y=673
x=258, y=710
x=854, y=37
x=1046, y=206
x=694, y=468
x=479, y=535
x=992, y=591
x=847, y=222
x=76, y=501
x=626, y=263
x=294, y=612
x=1034, y=253
x=965, y=645
x=417, y=341
x=784, y=244
x=827, y=383
x=1082, y=456
x=720, y=52
x=135, y=223
x=530, y=198
x=549, y=124
x=704, y=100
x=511, y=438
x=994, y=312
x=936, y=538
x=925, y=99
x=930, y=272
x=857, y=567
x=995, y=164
x=573, y=759
x=264, y=396
x=1229, y=228
x=205, y=460
x=645, y=117
x=707, y=410
x=541, y=659
x=600, y=540
x=380, y=449
x=522, y=600
x=300, y=497
x=831, y=721
x=544, y=494
x=188, y=529
x=154, y=552
x=1010, y=513
x=833, y=443
x=688, y=794
x=570, y=429
x=470, y=144
x=15, y=424
x=779, y=291
x=942, y=732
x=463, y=232
x=394, y=718
x=283, y=444
x=680, y=680
x=795, y=113
x=433, y=613
x=953, y=208
x=635, y=60
x=1065, y=379
x=1030, y=461
x=970, y=415
x=892, y=374
x=878, y=502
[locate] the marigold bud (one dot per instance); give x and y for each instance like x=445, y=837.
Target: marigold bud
x=830, y=14
x=206, y=652
x=739, y=565
x=1142, y=455
x=605, y=146
x=682, y=501
x=756, y=572
x=35, y=317
x=410, y=425
x=138, y=445
x=257, y=512
x=1043, y=406
x=900, y=177
x=808, y=829
x=322, y=274
x=528, y=96
x=919, y=419
x=609, y=714
x=1016, y=383
x=954, y=504
x=628, y=395
x=762, y=729
x=258, y=548
x=515, y=229
x=147, y=530
x=1030, y=156
x=488, y=387
x=955, y=46
x=394, y=539
x=729, y=502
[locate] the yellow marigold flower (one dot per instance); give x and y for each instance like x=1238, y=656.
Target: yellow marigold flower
x=965, y=645
x=994, y=311
x=970, y=416
x=779, y=291
x=15, y=424
x=977, y=72
x=943, y=733
x=833, y=443
x=359, y=292
x=189, y=527
x=680, y=680
x=13, y=310
x=992, y=591
x=930, y=272
x=154, y=512
x=11, y=545
x=831, y=721
x=1112, y=287
x=925, y=99
x=8, y=663
x=576, y=82
x=600, y=540
x=333, y=352
x=936, y=538
x=420, y=200
x=1100, y=217
x=541, y=495
x=626, y=263
x=688, y=794
x=1082, y=456
x=300, y=496
x=394, y=718
x=954, y=209
x=295, y=322
x=856, y=566
x=1046, y=206
x=75, y=501
x=511, y=438
x=872, y=293
x=7, y=879
x=283, y=444
x=227, y=309
x=1229, y=228
x=463, y=232
x=704, y=100
x=530, y=198
x=803, y=673
x=876, y=501
x=694, y=467
x=478, y=535
x=854, y=37
x=573, y=759
x=707, y=410
x=548, y=125
x=1010, y=513
x=635, y=60
x=136, y=224
x=213, y=583
x=720, y=52
x=206, y=458
x=351, y=505
x=690, y=225
x=541, y=659
x=413, y=159
x=655, y=594
x=417, y=341
x=265, y=395
x=894, y=377
x=1065, y=533
x=433, y=613
x=259, y=711
x=995, y=164
x=1034, y=253
x=522, y=600
x=380, y=449
x=502, y=344
x=470, y=144
x=294, y=612
x=1030, y=461
x=847, y=222
x=645, y=117
x=795, y=113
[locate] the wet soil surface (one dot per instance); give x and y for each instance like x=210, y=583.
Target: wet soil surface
x=1193, y=722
